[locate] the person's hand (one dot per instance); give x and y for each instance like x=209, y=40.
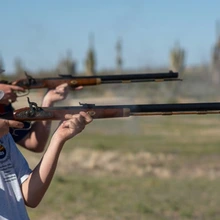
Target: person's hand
x=54, y=95
x=10, y=95
x=6, y=124
x=72, y=126
x=58, y=94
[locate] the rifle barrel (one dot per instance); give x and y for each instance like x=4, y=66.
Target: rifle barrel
x=139, y=76
x=178, y=108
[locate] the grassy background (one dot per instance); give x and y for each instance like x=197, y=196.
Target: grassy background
x=160, y=167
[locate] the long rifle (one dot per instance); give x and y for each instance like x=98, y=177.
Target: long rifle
x=35, y=113
x=74, y=81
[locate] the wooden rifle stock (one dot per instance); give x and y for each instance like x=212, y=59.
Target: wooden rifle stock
x=35, y=113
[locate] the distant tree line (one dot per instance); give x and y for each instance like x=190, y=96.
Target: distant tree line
x=67, y=65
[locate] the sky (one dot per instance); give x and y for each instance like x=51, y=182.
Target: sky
x=41, y=32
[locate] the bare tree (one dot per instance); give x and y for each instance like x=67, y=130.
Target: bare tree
x=177, y=63
x=67, y=66
x=1, y=65
x=216, y=58
x=177, y=58
x=90, y=62
x=119, y=56
x=19, y=67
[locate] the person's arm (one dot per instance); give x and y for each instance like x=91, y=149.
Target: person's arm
x=38, y=135
x=36, y=185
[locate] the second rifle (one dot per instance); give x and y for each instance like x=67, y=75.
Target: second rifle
x=74, y=81
x=36, y=113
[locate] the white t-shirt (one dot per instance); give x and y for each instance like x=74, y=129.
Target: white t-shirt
x=14, y=170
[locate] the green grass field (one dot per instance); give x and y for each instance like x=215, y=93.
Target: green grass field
x=160, y=167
